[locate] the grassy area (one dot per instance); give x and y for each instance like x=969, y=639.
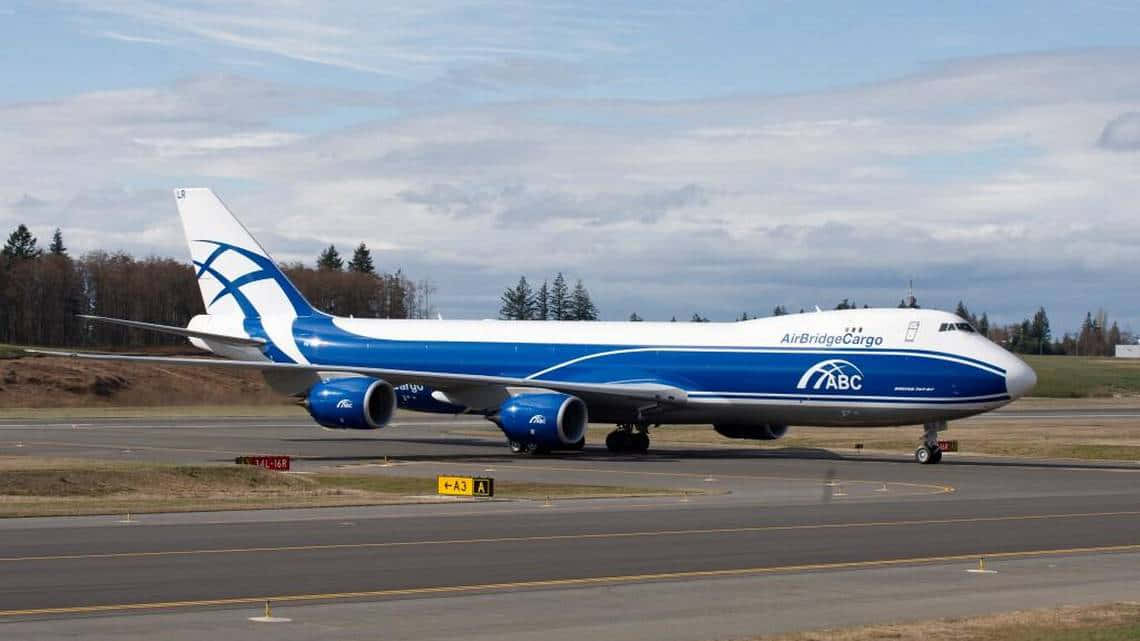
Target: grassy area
x=286, y=409
x=1113, y=622
x=505, y=489
x=39, y=487
x=11, y=351
x=1079, y=377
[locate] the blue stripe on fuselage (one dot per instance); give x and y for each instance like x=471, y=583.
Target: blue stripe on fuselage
x=902, y=375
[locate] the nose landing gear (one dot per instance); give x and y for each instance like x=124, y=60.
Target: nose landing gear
x=629, y=437
x=929, y=452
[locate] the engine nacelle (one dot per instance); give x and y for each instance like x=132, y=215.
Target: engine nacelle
x=762, y=432
x=548, y=421
x=420, y=398
x=356, y=403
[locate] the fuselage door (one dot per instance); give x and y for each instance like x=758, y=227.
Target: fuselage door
x=912, y=331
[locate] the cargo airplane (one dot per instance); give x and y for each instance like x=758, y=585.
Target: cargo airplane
x=543, y=382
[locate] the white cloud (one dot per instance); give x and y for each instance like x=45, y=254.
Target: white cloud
x=122, y=37
x=982, y=179
x=391, y=38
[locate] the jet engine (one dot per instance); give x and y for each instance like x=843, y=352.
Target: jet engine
x=762, y=432
x=356, y=403
x=538, y=422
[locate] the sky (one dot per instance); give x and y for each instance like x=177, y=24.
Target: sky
x=717, y=159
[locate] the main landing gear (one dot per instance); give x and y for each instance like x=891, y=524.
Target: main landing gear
x=534, y=449
x=629, y=437
x=929, y=452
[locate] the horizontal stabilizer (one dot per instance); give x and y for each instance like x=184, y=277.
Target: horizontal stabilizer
x=177, y=331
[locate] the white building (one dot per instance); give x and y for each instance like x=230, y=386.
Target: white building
x=1128, y=351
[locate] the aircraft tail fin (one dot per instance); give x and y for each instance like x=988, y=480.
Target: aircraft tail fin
x=236, y=276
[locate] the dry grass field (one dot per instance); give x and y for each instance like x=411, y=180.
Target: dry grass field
x=41, y=487
x=1111, y=622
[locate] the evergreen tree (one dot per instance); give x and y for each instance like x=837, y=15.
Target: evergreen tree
x=56, y=248
x=361, y=260
x=962, y=312
x=845, y=305
x=517, y=302
x=673, y=320
x=542, y=303
x=779, y=310
x=697, y=318
x=330, y=260
x=634, y=318
x=1039, y=333
x=984, y=325
x=559, y=299
x=1114, y=337
x=581, y=307
x=744, y=316
x=1085, y=339
x=21, y=245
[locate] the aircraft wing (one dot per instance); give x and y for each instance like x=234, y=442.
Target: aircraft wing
x=639, y=393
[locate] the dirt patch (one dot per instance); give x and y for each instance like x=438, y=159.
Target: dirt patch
x=46, y=382
x=1113, y=622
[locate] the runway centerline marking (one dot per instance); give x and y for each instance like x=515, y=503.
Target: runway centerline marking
x=559, y=583
x=565, y=537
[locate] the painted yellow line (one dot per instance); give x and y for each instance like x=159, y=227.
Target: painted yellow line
x=567, y=537
x=557, y=583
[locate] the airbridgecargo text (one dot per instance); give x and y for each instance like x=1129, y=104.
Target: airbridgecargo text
x=830, y=340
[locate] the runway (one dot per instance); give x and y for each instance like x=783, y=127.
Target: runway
x=775, y=531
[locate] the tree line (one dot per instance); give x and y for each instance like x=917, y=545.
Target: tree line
x=41, y=292
x=554, y=302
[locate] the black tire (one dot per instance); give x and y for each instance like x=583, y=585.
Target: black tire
x=640, y=442
x=580, y=444
x=937, y=456
x=617, y=441
x=515, y=446
x=534, y=449
x=923, y=455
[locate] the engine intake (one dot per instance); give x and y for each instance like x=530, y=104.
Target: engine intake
x=762, y=432
x=544, y=421
x=356, y=403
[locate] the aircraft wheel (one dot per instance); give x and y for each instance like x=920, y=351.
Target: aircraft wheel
x=580, y=444
x=924, y=455
x=533, y=448
x=516, y=447
x=640, y=442
x=937, y=455
x=618, y=441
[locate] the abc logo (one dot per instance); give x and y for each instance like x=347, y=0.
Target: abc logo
x=832, y=375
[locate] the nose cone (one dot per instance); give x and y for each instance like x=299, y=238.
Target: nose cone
x=1019, y=379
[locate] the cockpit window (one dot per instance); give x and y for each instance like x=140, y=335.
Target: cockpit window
x=960, y=327
x=965, y=327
